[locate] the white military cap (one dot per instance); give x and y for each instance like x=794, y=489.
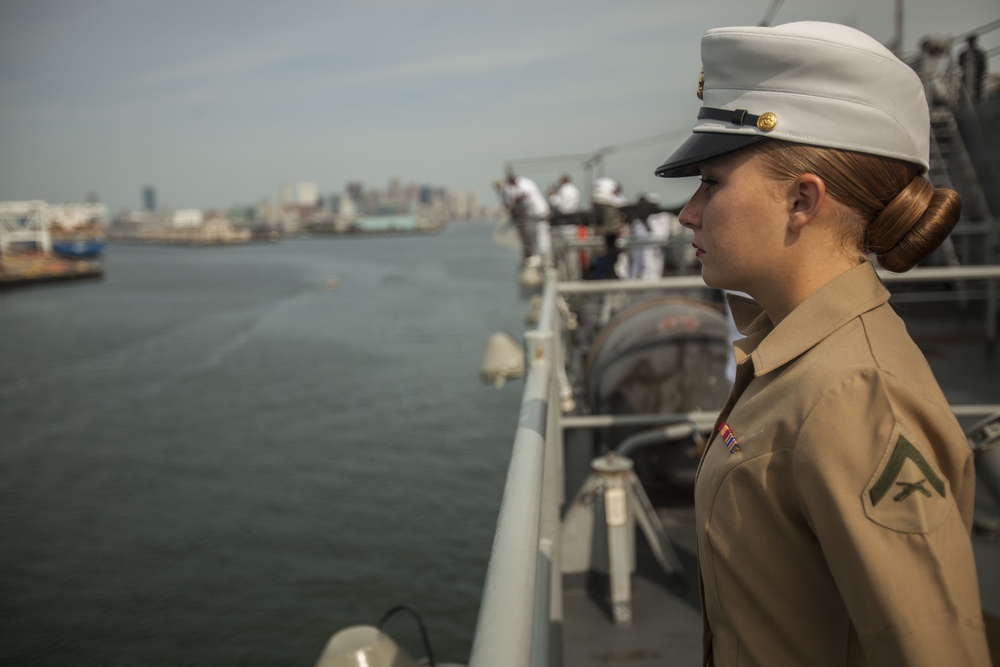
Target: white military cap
x=809, y=82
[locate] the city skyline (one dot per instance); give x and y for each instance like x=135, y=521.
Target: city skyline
x=307, y=193
x=299, y=209
x=218, y=103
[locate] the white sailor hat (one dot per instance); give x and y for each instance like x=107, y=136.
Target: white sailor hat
x=813, y=83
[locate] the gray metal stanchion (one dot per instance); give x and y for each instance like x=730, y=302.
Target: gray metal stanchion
x=606, y=509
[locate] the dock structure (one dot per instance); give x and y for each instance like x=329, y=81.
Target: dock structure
x=27, y=253
x=24, y=222
x=28, y=269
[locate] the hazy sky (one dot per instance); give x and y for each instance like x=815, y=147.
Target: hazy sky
x=219, y=102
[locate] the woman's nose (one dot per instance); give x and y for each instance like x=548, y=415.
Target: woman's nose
x=690, y=215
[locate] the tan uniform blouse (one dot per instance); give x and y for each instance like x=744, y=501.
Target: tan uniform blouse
x=834, y=509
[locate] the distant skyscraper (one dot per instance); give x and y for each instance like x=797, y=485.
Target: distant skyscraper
x=356, y=190
x=395, y=193
x=149, y=198
x=346, y=208
x=460, y=205
x=308, y=194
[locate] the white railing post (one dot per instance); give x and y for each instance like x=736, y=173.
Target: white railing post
x=512, y=630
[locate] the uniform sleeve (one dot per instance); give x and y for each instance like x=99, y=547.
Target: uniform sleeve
x=878, y=487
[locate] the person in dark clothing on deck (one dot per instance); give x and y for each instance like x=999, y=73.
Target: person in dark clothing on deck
x=973, y=63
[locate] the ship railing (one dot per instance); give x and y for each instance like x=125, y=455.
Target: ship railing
x=521, y=608
x=521, y=583
x=966, y=283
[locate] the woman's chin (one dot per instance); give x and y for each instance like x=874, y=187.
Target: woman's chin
x=716, y=281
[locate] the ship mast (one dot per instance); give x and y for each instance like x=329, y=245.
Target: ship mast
x=896, y=45
x=772, y=10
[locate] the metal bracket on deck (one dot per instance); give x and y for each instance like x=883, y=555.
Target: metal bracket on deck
x=614, y=487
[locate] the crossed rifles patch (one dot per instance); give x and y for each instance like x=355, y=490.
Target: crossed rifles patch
x=906, y=492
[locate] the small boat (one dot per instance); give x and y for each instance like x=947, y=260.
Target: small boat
x=82, y=248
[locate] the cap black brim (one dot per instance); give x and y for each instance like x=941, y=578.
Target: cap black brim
x=700, y=147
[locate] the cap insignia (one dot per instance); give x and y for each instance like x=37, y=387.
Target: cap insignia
x=701, y=84
x=767, y=121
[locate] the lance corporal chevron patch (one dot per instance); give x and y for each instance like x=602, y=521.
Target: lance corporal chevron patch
x=906, y=493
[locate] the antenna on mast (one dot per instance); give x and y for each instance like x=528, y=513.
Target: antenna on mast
x=771, y=11
x=896, y=45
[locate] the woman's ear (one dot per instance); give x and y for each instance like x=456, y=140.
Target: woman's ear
x=807, y=195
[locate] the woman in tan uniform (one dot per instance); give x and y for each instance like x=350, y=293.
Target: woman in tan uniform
x=835, y=499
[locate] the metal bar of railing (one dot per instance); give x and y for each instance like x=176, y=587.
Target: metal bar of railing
x=548, y=312
x=955, y=274
x=603, y=286
x=507, y=632
x=942, y=273
x=506, y=618
x=920, y=274
x=705, y=420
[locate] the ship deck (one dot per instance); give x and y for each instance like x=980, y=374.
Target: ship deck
x=666, y=625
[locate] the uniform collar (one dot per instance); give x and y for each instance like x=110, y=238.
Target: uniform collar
x=839, y=301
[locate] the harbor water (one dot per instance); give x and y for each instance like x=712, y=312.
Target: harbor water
x=220, y=456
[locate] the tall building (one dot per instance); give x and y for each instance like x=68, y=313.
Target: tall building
x=148, y=198
x=356, y=190
x=308, y=194
x=460, y=205
x=475, y=209
x=395, y=194
x=346, y=209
